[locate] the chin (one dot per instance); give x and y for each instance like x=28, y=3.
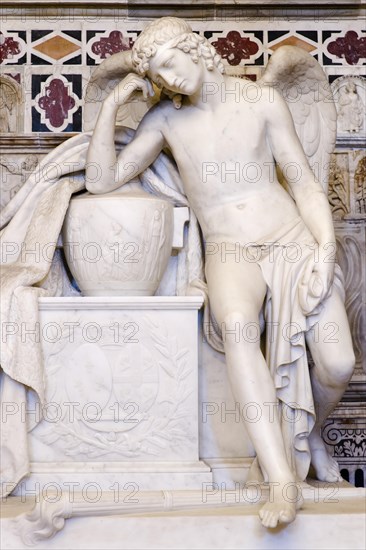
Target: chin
x=189, y=89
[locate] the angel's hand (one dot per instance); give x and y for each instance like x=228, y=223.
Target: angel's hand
x=128, y=86
x=316, y=285
x=175, y=98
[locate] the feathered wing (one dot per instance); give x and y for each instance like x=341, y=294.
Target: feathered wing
x=304, y=86
x=102, y=81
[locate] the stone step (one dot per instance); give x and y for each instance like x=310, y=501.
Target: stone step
x=330, y=518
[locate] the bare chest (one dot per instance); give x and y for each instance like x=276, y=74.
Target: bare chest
x=231, y=134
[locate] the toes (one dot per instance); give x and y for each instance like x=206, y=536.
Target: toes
x=273, y=521
x=335, y=468
x=270, y=519
x=286, y=516
x=332, y=477
x=272, y=514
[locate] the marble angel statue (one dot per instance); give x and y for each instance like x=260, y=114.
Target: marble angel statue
x=242, y=152
x=227, y=135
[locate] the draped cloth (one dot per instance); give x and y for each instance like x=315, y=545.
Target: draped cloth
x=283, y=262
x=32, y=221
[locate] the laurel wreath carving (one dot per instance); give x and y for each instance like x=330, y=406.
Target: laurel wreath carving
x=153, y=434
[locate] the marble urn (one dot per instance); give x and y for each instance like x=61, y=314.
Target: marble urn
x=118, y=244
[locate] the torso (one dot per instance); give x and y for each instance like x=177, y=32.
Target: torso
x=227, y=169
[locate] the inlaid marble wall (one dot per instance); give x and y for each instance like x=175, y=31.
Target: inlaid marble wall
x=51, y=61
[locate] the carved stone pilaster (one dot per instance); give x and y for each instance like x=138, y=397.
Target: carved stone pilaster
x=360, y=186
x=351, y=254
x=347, y=184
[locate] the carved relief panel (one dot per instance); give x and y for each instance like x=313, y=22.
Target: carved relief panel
x=19, y=157
x=121, y=384
x=11, y=105
x=350, y=99
x=347, y=184
x=14, y=171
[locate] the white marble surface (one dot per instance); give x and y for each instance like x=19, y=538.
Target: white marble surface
x=120, y=244
x=329, y=519
x=238, y=209
x=122, y=394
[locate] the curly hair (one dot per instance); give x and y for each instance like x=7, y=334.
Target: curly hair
x=165, y=29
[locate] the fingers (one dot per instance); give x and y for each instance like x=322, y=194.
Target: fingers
x=143, y=86
x=316, y=285
x=305, y=298
x=307, y=273
x=131, y=84
x=146, y=87
x=150, y=87
x=177, y=101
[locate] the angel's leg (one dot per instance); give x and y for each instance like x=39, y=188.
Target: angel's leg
x=236, y=292
x=330, y=344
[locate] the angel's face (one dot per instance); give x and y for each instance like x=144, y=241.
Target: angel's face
x=175, y=70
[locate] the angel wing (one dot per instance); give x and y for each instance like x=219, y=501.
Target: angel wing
x=304, y=86
x=102, y=81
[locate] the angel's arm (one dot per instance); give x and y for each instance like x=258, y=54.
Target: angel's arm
x=310, y=198
x=287, y=150
x=104, y=171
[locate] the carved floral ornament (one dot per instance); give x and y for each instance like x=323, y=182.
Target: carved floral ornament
x=150, y=422
x=347, y=442
x=338, y=190
x=360, y=186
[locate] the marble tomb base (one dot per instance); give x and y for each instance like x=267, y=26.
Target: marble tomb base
x=332, y=517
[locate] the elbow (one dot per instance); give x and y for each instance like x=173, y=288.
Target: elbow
x=93, y=187
x=94, y=181
x=99, y=180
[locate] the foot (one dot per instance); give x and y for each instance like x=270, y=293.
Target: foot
x=284, y=500
x=325, y=466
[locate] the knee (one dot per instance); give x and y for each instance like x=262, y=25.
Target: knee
x=241, y=327
x=345, y=367
x=339, y=369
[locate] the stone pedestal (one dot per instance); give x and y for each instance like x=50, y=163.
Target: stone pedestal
x=121, y=408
